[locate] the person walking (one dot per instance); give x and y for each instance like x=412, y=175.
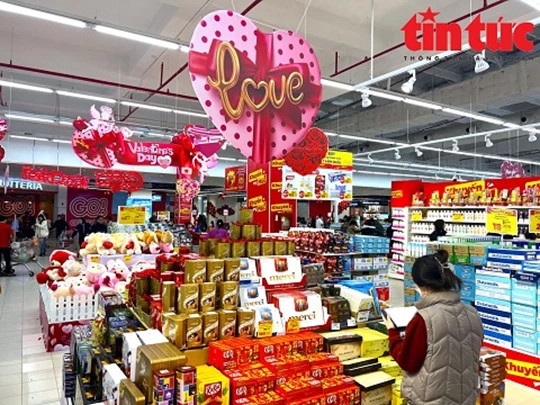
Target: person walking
x=42, y=233
x=439, y=226
x=440, y=352
x=59, y=226
x=100, y=226
x=27, y=228
x=319, y=222
x=202, y=223
x=6, y=237
x=15, y=225
x=82, y=229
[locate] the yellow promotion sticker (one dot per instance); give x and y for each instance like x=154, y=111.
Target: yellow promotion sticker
x=293, y=325
x=94, y=259
x=265, y=329
x=128, y=259
x=417, y=216
x=458, y=217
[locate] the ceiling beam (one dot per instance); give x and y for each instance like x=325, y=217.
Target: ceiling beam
x=444, y=74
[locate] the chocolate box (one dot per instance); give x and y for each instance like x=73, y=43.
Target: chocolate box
x=227, y=324
x=245, y=322
x=207, y=296
x=194, y=331
x=188, y=299
x=232, y=269
x=228, y=295
x=215, y=270
x=210, y=327
x=130, y=394
x=195, y=271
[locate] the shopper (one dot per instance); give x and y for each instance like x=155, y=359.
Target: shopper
x=345, y=223
x=100, y=225
x=202, y=224
x=353, y=227
x=319, y=222
x=82, y=229
x=440, y=352
x=372, y=227
x=439, y=230
x=219, y=232
x=59, y=226
x=27, y=228
x=154, y=219
x=42, y=233
x=6, y=237
x=15, y=225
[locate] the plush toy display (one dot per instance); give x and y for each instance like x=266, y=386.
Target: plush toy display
x=94, y=272
x=55, y=271
x=105, y=245
x=80, y=286
x=166, y=239
x=119, y=268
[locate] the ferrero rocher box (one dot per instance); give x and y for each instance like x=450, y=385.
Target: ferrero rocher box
x=207, y=296
x=232, y=269
x=245, y=322
x=195, y=271
x=246, y=215
x=210, y=327
x=215, y=270
x=130, y=394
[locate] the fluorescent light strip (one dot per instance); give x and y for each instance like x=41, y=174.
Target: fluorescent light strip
x=533, y=3
x=29, y=118
x=23, y=86
x=421, y=103
x=66, y=123
x=227, y=159
x=381, y=94
x=423, y=166
x=474, y=116
x=492, y=157
x=30, y=12
x=401, y=175
x=85, y=96
x=364, y=138
x=412, y=169
x=29, y=138
x=137, y=37
x=146, y=106
x=61, y=141
x=192, y=114
x=337, y=85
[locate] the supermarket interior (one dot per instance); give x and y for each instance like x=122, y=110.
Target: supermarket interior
x=248, y=202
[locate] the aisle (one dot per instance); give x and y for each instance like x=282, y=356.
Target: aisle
x=29, y=375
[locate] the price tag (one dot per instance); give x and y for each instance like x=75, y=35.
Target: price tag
x=94, y=259
x=265, y=329
x=351, y=322
x=416, y=216
x=458, y=217
x=534, y=221
x=502, y=220
x=335, y=326
x=293, y=325
x=128, y=259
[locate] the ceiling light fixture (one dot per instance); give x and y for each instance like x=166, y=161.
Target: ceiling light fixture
x=227, y=159
x=337, y=85
x=190, y=113
x=61, y=141
x=408, y=86
x=478, y=117
x=419, y=153
x=29, y=118
x=370, y=159
x=86, y=96
x=455, y=146
x=23, y=86
x=42, y=15
x=434, y=170
x=397, y=155
x=366, y=102
x=489, y=142
x=532, y=137
x=485, y=156
x=480, y=64
x=421, y=103
x=184, y=48
x=136, y=37
x=146, y=106
x=382, y=94
x=29, y=138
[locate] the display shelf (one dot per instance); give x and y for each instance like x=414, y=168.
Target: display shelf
x=338, y=254
x=396, y=276
x=475, y=207
x=401, y=252
x=399, y=240
x=449, y=222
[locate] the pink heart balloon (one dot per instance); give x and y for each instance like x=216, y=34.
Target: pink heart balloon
x=206, y=141
x=511, y=170
x=265, y=130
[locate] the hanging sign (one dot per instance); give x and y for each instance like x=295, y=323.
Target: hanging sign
x=119, y=180
x=511, y=170
x=262, y=91
x=534, y=221
x=55, y=177
x=235, y=178
x=308, y=155
x=135, y=215
x=502, y=221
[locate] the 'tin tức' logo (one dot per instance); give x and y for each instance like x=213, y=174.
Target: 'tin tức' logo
x=426, y=34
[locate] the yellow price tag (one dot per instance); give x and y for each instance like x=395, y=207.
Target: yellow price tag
x=416, y=216
x=128, y=259
x=293, y=325
x=94, y=259
x=458, y=217
x=534, y=221
x=265, y=329
x=502, y=221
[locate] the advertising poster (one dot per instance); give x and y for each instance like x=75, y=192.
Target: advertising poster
x=131, y=215
x=88, y=204
x=279, y=206
x=235, y=178
x=333, y=180
x=141, y=202
x=258, y=192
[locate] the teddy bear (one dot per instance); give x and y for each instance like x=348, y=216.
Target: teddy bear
x=107, y=281
x=166, y=239
x=94, y=272
x=61, y=289
x=59, y=257
x=105, y=246
x=142, y=265
x=89, y=246
x=119, y=268
x=119, y=240
x=72, y=267
x=55, y=272
x=131, y=246
x=80, y=286
x=151, y=241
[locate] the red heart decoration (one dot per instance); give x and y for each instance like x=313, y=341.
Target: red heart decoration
x=307, y=156
x=2, y=153
x=511, y=170
x=3, y=128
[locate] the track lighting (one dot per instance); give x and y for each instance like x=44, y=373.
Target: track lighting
x=408, y=86
x=397, y=156
x=224, y=146
x=455, y=147
x=418, y=152
x=489, y=143
x=370, y=159
x=366, y=102
x=532, y=137
x=480, y=62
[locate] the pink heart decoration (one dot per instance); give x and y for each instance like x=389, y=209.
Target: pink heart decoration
x=164, y=161
x=67, y=328
x=3, y=128
x=270, y=132
x=206, y=141
x=188, y=188
x=511, y=170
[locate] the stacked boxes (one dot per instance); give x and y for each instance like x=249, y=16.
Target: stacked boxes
x=468, y=275
x=492, y=375
x=524, y=311
x=370, y=244
x=411, y=295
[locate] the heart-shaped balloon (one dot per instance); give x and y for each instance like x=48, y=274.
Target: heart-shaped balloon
x=307, y=156
x=188, y=189
x=511, y=170
x=261, y=91
x=3, y=128
x=2, y=153
x=206, y=141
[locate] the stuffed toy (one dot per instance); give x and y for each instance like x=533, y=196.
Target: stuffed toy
x=94, y=272
x=55, y=272
x=142, y=265
x=119, y=268
x=72, y=267
x=61, y=289
x=80, y=286
x=105, y=246
x=166, y=239
x=151, y=241
x=119, y=240
x=59, y=257
x=131, y=246
x=89, y=246
x=140, y=239
x=107, y=281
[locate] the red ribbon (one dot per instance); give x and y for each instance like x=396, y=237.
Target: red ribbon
x=97, y=146
x=262, y=70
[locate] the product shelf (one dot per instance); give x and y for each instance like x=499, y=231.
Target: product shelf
x=339, y=254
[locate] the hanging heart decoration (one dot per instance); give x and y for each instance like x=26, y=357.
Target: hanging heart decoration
x=119, y=180
x=187, y=188
x=308, y=155
x=261, y=91
x=3, y=128
x=2, y=153
x=511, y=170
x=206, y=141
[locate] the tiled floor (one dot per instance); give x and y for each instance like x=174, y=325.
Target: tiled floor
x=29, y=375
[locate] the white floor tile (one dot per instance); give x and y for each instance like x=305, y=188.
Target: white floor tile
x=42, y=397
x=11, y=401
x=10, y=391
x=37, y=366
x=10, y=380
x=37, y=386
x=33, y=376
x=9, y=370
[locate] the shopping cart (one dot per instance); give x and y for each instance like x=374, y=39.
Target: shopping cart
x=65, y=241
x=22, y=253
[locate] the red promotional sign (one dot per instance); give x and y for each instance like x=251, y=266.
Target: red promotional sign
x=55, y=177
x=258, y=193
x=403, y=191
x=3, y=128
x=87, y=204
x=262, y=91
x=425, y=34
x=279, y=206
x=235, y=178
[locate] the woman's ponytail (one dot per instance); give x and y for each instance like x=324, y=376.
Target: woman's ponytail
x=434, y=272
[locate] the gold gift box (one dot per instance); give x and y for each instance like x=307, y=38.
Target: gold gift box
x=246, y=215
x=238, y=249
x=130, y=394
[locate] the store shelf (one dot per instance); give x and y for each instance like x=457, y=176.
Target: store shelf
x=398, y=263
x=474, y=207
x=401, y=252
x=339, y=254
x=396, y=276
x=449, y=222
x=399, y=240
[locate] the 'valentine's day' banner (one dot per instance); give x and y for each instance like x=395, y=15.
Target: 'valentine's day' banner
x=262, y=91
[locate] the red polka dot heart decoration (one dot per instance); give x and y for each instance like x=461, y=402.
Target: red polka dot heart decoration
x=3, y=133
x=307, y=156
x=262, y=91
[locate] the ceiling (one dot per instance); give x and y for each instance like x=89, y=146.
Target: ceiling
x=62, y=57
